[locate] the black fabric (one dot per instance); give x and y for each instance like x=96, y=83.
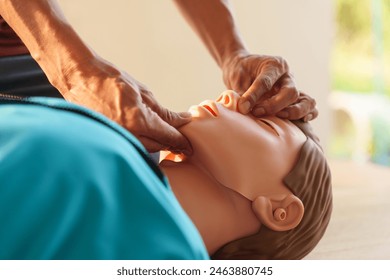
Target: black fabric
x=21, y=76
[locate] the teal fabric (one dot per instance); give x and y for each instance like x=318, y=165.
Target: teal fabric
x=74, y=185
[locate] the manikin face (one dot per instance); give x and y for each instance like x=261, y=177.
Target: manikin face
x=246, y=154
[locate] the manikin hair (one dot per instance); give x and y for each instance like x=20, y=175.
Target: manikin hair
x=309, y=180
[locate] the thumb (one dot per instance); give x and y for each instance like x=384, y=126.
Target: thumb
x=173, y=118
x=178, y=119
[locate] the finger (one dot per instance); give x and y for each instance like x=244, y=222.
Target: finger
x=304, y=109
x=174, y=119
x=262, y=84
x=293, y=112
x=154, y=146
x=311, y=116
x=165, y=135
x=151, y=145
x=286, y=96
x=312, y=111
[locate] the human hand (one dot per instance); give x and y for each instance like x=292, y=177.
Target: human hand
x=303, y=109
x=126, y=101
x=266, y=87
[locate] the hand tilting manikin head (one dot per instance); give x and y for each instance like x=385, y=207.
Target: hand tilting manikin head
x=233, y=182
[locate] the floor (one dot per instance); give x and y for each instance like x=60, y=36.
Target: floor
x=360, y=224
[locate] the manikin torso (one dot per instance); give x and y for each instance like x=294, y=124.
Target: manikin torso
x=236, y=159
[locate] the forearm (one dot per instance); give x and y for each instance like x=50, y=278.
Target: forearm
x=213, y=21
x=50, y=39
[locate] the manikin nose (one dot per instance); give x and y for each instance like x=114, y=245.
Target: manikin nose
x=229, y=99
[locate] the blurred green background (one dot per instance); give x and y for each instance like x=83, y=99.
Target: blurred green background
x=361, y=53
x=360, y=71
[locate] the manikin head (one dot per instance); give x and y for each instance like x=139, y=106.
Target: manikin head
x=271, y=171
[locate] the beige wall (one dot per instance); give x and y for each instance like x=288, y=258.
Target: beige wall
x=151, y=41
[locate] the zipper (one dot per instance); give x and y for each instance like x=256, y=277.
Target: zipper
x=12, y=99
x=9, y=96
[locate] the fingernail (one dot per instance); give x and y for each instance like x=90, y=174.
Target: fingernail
x=244, y=107
x=308, y=117
x=259, y=111
x=283, y=115
x=185, y=115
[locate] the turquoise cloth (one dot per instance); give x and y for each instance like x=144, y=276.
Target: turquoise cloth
x=74, y=185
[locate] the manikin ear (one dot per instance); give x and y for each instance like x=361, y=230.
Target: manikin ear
x=279, y=214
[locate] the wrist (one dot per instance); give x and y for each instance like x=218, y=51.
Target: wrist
x=66, y=59
x=232, y=57
x=231, y=51
x=87, y=77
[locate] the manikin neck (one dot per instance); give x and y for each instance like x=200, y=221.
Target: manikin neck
x=220, y=214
